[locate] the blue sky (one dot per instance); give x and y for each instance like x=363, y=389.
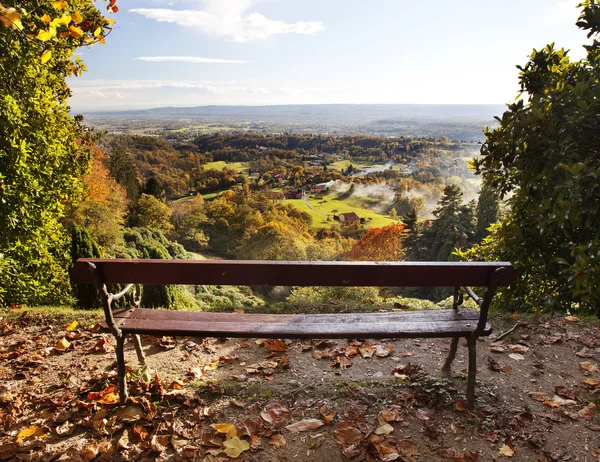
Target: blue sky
x=256, y=52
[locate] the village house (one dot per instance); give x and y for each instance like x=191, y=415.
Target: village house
x=348, y=217
x=293, y=194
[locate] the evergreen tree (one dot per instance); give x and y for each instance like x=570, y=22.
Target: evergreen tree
x=83, y=246
x=412, y=237
x=452, y=228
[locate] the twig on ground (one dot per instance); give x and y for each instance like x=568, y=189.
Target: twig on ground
x=509, y=331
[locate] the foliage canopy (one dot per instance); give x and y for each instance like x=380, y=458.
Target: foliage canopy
x=43, y=150
x=545, y=157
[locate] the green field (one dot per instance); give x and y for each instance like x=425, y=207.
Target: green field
x=240, y=167
x=319, y=221
x=329, y=203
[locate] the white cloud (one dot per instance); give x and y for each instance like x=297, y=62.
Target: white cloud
x=564, y=12
x=188, y=59
x=230, y=19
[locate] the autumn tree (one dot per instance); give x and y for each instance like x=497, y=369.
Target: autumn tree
x=154, y=214
x=103, y=205
x=379, y=244
x=43, y=149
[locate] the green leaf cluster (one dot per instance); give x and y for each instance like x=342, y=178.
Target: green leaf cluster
x=43, y=151
x=545, y=158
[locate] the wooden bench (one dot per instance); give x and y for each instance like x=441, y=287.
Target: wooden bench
x=453, y=323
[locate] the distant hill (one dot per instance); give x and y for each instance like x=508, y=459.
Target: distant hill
x=356, y=113
x=463, y=122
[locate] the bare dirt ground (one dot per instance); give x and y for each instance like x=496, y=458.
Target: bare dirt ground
x=211, y=400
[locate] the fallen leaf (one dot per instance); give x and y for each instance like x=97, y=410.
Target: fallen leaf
x=275, y=345
x=277, y=440
x=30, y=432
x=62, y=345
x=571, y=318
x=384, y=429
x=460, y=405
x=195, y=372
x=367, y=351
x=130, y=413
x=565, y=392
x=176, y=385
x=408, y=449
x=347, y=434
x=228, y=429
x=588, y=413
x=72, y=326
x=506, y=451
x=591, y=383
x=342, y=362
x=89, y=452
x=519, y=348
x=235, y=446
x=305, y=425
x=383, y=350
x=275, y=415
x=588, y=367
x=557, y=401
x=539, y=396
x=516, y=356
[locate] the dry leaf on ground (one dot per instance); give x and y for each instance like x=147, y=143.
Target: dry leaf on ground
x=506, y=451
x=305, y=425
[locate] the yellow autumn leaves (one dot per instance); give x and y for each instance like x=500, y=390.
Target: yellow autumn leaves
x=66, y=25
x=10, y=17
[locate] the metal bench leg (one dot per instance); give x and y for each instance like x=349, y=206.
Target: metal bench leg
x=121, y=370
x=472, y=344
x=451, y=355
x=138, y=349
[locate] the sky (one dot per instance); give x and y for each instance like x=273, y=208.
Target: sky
x=264, y=52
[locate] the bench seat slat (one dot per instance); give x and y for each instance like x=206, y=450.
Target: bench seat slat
x=447, y=323
x=396, y=316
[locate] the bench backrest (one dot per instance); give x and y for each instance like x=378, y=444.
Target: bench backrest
x=295, y=273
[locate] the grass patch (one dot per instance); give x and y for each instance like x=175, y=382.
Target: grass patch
x=240, y=167
x=43, y=315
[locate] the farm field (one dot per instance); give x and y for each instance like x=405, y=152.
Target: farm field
x=240, y=167
x=329, y=203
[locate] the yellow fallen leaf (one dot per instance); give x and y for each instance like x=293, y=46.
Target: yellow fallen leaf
x=176, y=385
x=210, y=366
x=460, y=405
x=63, y=344
x=109, y=398
x=506, y=451
x=30, y=432
x=228, y=429
x=72, y=326
x=572, y=319
x=235, y=446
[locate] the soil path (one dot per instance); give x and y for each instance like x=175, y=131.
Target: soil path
x=211, y=400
